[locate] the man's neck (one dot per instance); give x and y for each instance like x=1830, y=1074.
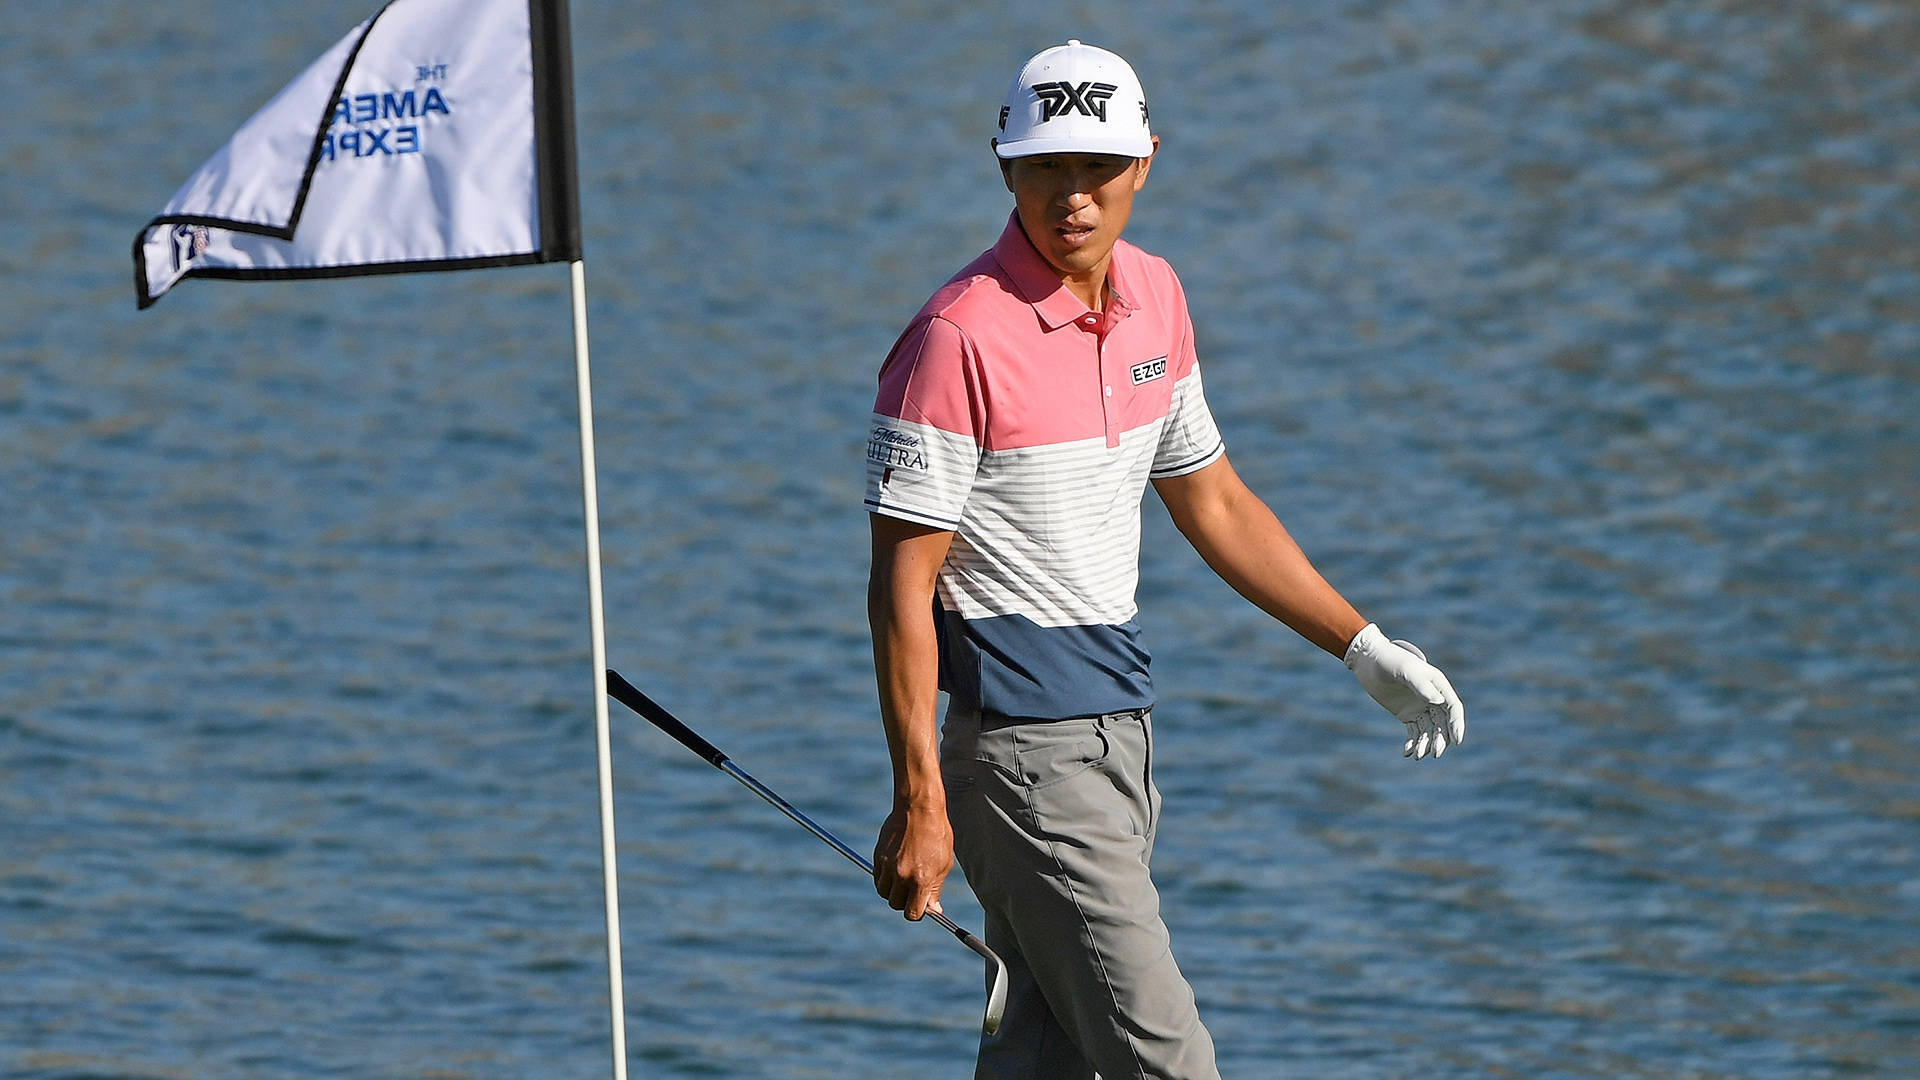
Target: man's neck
x=1089, y=288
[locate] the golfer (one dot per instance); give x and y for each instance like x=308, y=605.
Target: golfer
x=1019, y=418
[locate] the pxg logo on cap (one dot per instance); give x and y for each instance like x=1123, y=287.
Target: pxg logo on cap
x=1075, y=99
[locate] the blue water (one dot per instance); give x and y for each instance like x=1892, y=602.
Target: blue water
x=1578, y=342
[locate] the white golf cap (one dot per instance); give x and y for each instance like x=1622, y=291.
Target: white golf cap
x=1075, y=99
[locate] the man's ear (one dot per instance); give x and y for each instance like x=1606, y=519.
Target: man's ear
x=1006, y=166
x=1146, y=164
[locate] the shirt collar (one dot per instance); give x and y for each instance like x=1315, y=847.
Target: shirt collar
x=1038, y=283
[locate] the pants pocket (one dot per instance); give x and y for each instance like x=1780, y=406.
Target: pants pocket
x=1046, y=754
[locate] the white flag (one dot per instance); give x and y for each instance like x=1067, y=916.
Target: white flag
x=438, y=135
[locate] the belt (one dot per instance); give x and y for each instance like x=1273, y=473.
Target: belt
x=994, y=721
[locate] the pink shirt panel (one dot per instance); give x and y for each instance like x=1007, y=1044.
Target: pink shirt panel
x=1059, y=372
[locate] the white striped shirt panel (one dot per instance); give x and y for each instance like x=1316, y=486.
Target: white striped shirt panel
x=1050, y=532
x=1190, y=441
x=1053, y=533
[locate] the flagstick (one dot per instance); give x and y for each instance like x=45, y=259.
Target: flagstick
x=609, y=857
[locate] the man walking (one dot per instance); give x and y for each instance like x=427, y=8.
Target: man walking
x=1019, y=418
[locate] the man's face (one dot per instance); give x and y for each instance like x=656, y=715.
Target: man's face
x=1074, y=206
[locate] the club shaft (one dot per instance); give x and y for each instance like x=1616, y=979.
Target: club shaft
x=727, y=766
x=773, y=799
x=996, y=1000
x=630, y=696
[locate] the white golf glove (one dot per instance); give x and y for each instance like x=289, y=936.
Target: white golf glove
x=1397, y=675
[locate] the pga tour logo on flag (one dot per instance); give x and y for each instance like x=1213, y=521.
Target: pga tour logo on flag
x=436, y=135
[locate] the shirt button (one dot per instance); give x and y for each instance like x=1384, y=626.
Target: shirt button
x=1109, y=391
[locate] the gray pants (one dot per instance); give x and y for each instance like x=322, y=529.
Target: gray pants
x=1053, y=825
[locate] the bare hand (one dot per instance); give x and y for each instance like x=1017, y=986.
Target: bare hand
x=911, y=860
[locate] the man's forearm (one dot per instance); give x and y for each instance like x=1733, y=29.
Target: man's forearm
x=906, y=662
x=906, y=652
x=1243, y=542
x=1256, y=555
x=915, y=848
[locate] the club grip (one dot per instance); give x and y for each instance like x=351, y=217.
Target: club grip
x=627, y=694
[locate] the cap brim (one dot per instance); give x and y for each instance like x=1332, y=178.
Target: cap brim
x=1133, y=148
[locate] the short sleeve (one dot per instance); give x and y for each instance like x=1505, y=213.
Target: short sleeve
x=1190, y=441
x=928, y=425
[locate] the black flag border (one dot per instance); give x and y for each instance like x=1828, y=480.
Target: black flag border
x=556, y=178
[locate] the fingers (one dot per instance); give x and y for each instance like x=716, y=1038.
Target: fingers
x=1419, y=737
x=921, y=901
x=905, y=894
x=1428, y=733
x=884, y=877
x=1456, y=712
x=1439, y=723
x=909, y=873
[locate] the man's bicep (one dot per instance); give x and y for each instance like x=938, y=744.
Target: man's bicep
x=906, y=559
x=1195, y=498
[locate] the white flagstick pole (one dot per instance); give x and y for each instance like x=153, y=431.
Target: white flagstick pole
x=596, y=617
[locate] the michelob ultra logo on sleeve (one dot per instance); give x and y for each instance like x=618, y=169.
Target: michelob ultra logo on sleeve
x=895, y=449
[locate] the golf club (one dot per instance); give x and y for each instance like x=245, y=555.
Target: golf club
x=627, y=694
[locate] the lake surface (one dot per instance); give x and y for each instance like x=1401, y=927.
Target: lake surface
x=1577, y=341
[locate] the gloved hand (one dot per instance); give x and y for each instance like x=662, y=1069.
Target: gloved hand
x=1397, y=675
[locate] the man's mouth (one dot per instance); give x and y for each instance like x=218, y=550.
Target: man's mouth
x=1073, y=232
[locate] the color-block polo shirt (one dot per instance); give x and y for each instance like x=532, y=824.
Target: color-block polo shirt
x=1028, y=425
